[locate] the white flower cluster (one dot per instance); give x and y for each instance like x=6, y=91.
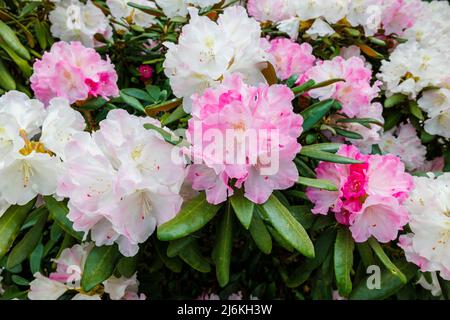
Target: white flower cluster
x=121, y=11
x=32, y=141
x=72, y=20
x=422, y=65
x=393, y=16
x=208, y=51
x=428, y=246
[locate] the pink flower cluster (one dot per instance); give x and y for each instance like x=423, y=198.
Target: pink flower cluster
x=370, y=195
x=74, y=72
x=355, y=93
x=254, y=124
x=399, y=15
x=291, y=58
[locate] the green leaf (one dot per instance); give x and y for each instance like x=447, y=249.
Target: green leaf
x=6, y=80
x=154, y=92
x=376, y=247
x=366, y=254
x=303, y=87
x=389, y=284
x=243, y=208
x=347, y=133
x=10, y=223
x=93, y=104
x=315, y=113
x=36, y=258
x=280, y=240
x=138, y=94
x=326, y=147
x=343, y=261
x=192, y=256
x=174, y=264
x=99, y=266
x=9, y=36
x=20, y=280
x=415, y=110
x=304, y=169
x=222, y=249
x=363, y=121
x=168, y=137
x=317, y=183
x=323, y=248
x=328, y=157
x=392, y=119
x=260, y=234
x=176, y=246
x=394, y=100
x=20, y=62
x=176, y=115
x=40, y=33
x=287, y=226
x=303, y=214
x=25, y=247
x=58, y=211
x=132, y=101
x=192, y=217
x=127, y=266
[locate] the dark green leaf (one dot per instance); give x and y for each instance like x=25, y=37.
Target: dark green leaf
x=328, y=157
x=317, y=183
x=58, y=211
x=376, y=247
x=315, y=113
x=99, y=266
x=192, y=256
x=287, y=226
x=25, y=247
x=343, y=261
x=243, y=208
x=222, y=248
x=260, y=234
x=10, y=223
x=192, y=217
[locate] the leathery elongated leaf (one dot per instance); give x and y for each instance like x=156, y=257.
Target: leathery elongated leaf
x=192, y=256
x=10, y=224
x=343, y=261
x=222, y=250
x=243, y=208
x=99, y=266
x=25, y=247
x=260, y=234
x=58, y=211
x=9, y=36
x=376, y=247
x=328, y=157
x=389, y=284
x=287, y=226
x=317, y=183
x=315, y=113
x=195, y=214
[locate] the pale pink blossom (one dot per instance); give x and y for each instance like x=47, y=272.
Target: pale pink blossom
x=354, y=93
x=253, y=117
x=74, y=72
x=370, y=195
x=121, y=181
x=291, y=58
x=399, y=15
x=270, y=10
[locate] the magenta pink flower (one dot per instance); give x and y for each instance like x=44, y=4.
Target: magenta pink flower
x=74, y=72
x=354, y=94
x=243, y=136
x=146, y=72
x=291, y=58
x=370, y=195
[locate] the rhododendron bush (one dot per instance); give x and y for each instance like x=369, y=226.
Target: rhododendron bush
x=220, y=149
